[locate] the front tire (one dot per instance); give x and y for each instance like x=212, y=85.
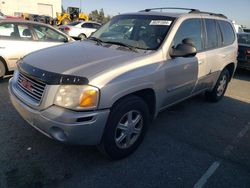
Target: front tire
x=126, y=128
x=220, y=87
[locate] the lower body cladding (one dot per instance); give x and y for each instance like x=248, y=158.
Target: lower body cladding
x=81, y=128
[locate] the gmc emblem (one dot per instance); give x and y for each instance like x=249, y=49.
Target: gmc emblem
x=27, y=85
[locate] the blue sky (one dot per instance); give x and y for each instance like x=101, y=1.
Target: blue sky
x=235, y=10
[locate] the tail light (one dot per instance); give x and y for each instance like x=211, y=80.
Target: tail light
x=248, y=52
x=66, y=29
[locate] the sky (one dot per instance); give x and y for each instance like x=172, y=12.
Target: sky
x=238, y=11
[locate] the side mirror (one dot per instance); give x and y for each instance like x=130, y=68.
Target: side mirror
x=185, y=49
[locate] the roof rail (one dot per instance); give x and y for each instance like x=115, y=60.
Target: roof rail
x=195, y=11
x=209, y=13
x=168, y=8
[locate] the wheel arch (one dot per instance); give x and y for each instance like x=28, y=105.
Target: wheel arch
x=231, y=69
x=148, y=96
x=5, y=63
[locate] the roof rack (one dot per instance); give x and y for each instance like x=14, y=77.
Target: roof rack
x=167, y=8
x=194, y=11
x=209, y=13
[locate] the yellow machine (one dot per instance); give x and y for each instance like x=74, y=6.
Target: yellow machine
x=72, y=14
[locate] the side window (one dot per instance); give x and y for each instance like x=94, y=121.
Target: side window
x=7, y=31
x=219, y=35
x=190, y=28
x=227, y=31
x=96, y=26
x=13, y=31
x=87, y=25
x=47, y=34
x=211, y=30
x=24, y=32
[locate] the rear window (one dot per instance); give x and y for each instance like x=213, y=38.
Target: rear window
x=244, y=38
x=74, y=23
x=228, y=35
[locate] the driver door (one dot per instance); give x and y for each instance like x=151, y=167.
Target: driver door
x=181, y=73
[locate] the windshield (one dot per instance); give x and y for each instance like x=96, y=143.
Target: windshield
x=140, y=31
x=244, y=38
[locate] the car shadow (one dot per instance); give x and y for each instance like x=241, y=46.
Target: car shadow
x=5, y=79
x=193, y=126
x=242, y=74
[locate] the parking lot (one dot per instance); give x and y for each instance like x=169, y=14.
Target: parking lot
x=192, y=144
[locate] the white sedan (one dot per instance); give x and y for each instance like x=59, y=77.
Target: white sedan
x=80, y=29
x=18, y=38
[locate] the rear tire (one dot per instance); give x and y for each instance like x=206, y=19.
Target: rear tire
x=125, y=128
x=2, y=70
x=82, y=36
x=220, y=87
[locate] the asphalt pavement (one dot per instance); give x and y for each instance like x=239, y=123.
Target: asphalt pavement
x=193, y=144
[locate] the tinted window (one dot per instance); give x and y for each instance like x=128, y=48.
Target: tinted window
x=96, y=26
x=87, y=25
x=189, y=29
x=219, y=35
x=74, y=23
x=228, y=36
x=244, y=38
x=47, y=34
x=211, y=30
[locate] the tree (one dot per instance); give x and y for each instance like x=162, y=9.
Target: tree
x=99, y=16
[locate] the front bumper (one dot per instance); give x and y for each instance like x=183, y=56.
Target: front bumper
x=83, y=128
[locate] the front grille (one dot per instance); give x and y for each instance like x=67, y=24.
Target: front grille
x=33, y=88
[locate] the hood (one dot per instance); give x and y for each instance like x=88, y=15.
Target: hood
x=82, y=58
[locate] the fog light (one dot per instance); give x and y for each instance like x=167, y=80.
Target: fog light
x=58, y=134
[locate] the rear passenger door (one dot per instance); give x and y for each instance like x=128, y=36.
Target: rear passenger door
x=181, y=73
x=217, y=38
x=211, y=56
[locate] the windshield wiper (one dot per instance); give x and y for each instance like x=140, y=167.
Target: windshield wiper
x=122, y=44
x=99, y=41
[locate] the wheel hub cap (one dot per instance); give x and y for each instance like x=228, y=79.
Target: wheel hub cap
x=128, y=129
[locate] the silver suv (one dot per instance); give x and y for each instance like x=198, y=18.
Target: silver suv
x=106, y=89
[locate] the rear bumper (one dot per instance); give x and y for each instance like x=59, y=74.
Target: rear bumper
x=83, y=128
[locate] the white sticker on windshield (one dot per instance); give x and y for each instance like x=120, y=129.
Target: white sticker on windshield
x=160, y=22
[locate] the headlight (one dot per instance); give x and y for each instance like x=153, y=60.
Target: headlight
x=77, y=97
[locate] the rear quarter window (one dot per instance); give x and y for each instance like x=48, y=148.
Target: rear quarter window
x=6, y=30
x=228, y=35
